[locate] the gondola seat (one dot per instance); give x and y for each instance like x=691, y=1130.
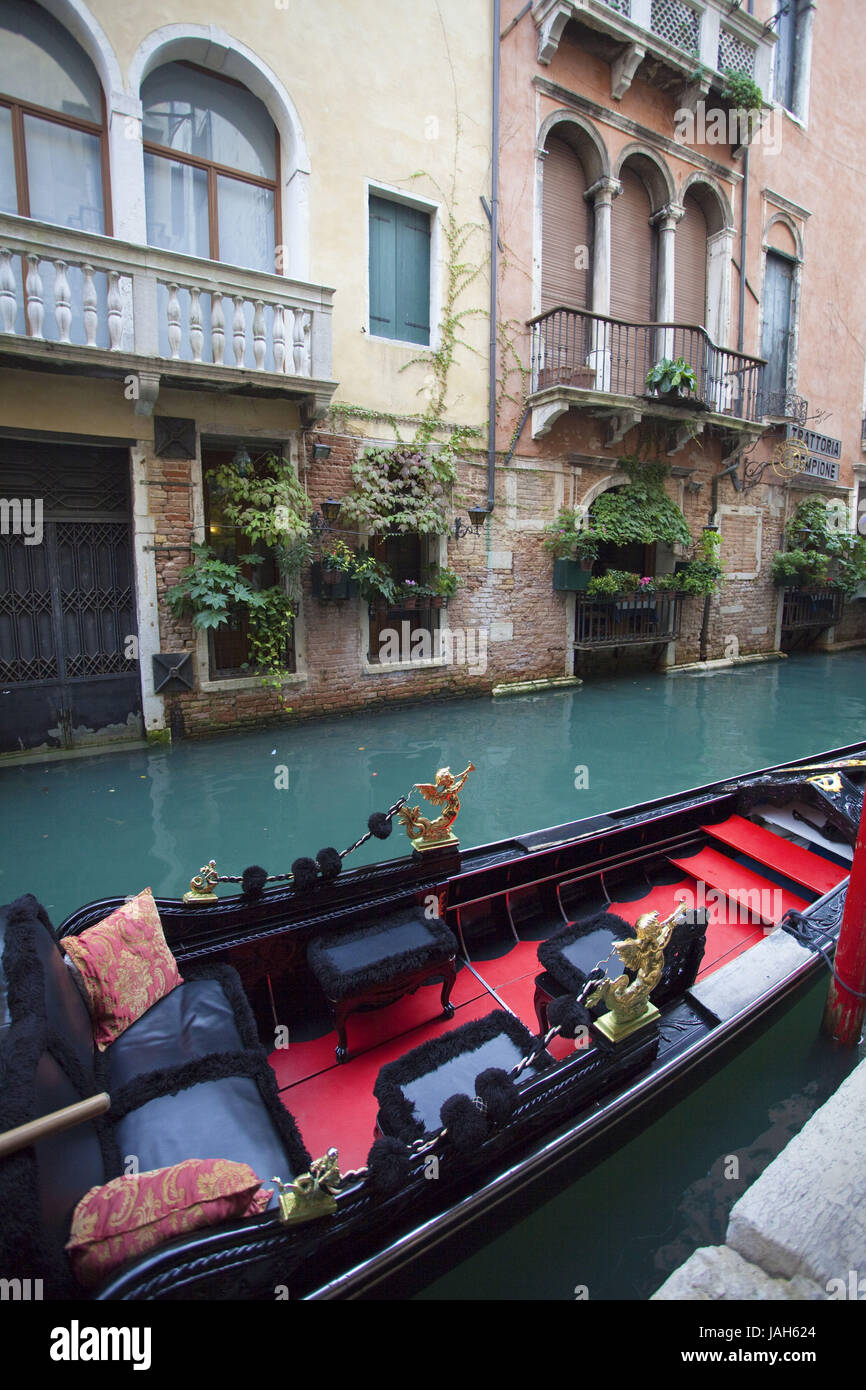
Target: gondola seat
x=375, y=965
x=411, y=1090
x=571, y=954
x=187, y=1080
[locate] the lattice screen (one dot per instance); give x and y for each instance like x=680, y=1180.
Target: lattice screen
x=621, y=6
x=677, y=22
x=735, y=55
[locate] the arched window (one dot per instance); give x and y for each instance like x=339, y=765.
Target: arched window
x=53, y=155
x=565, y=229
x=211, y=167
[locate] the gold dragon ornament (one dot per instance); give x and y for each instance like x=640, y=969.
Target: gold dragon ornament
x=445, y=792
x=627, y=1000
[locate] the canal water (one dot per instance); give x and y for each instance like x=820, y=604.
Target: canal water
x=85, y=828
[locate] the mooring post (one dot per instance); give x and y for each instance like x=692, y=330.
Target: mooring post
x=843, y=1013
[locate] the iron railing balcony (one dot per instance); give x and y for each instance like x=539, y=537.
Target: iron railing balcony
x=76, y=301
x=811, y=608
x=628, y=620
x=584, y=358
x=685, y=43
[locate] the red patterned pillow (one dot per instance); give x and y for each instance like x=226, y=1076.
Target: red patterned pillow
x=130, y=1215
x=126, y=966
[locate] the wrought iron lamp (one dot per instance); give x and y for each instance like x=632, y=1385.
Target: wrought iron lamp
x=477, y=517
x=323, y=521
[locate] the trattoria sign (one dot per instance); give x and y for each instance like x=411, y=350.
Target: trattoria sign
x=823, y=452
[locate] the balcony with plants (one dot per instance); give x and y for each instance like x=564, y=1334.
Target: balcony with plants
x=616, y=606
x=823, y=567
x=626, y=372
x=683, y=48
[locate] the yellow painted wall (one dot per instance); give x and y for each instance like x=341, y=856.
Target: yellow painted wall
x=380, y=93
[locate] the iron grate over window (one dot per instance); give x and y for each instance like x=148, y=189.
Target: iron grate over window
x=735, y=55
x=677, y=22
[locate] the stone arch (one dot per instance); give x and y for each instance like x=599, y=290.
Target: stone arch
x=788, y=222
x=213, y=48
x=583, y=138
x=715, y=203
x=653, y=172
x=618, y=478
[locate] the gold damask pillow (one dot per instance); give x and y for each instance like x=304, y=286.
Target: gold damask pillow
x=126, y=966
x=129, y=1215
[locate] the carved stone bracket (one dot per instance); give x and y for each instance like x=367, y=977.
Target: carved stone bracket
x=148, y=391
x=623, y=69
x=620, y=424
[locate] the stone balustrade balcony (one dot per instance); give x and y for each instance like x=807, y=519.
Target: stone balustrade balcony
x=84, y=304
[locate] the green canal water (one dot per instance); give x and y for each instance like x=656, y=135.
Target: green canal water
x=85, y=828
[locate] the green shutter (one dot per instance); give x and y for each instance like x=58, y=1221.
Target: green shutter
x=382, y=268
x=399, y=271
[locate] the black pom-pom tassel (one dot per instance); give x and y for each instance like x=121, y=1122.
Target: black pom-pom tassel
x=253, y=881
x=305, y=872
x=569, y=1015
x=329, y=862
x=379, y=825
x=496, y=1089
x=388, y=1164
x=465, y=1122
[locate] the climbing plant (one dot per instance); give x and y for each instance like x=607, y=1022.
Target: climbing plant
x=641, y=510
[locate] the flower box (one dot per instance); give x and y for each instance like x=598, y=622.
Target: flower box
x=332, y=584
x=570, y=576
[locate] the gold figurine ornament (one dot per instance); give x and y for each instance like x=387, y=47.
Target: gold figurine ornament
x=311, y=1195
x=428, y=834
x=201, y=888
x=628, y=1003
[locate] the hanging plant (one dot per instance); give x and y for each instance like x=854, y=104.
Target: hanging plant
x=400, y=489
x=641, y=510
x=216, y=593
x=265, y=500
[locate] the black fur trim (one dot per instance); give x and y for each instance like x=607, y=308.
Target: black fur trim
x=388, y=1164
x=329, y=862
x=396, y=1113
x=499, y=1093
x=550, y=954
x=25, y=977
x=305, y=872
x=380, y=825
x=337, y=983
x=569, y=1015
x=465, y=1122
x=253, y=881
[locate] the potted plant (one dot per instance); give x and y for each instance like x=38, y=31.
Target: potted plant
x=800, y=569
x=410, y=594
x=377, y=584
x=672, y=380
x=574, y=547
x=616, y=584
x=335, y=576
x=444, y=584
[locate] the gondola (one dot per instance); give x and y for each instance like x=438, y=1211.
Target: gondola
x=403, y=1053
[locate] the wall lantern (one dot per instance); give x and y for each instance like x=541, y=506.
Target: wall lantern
x=477, y=517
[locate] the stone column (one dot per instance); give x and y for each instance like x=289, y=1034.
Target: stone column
x=602, y=193
x=666, y=220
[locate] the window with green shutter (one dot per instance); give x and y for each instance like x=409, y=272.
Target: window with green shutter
x=399, y=271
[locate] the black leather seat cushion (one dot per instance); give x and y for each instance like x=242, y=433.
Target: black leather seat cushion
x=411, y=1090
x=347, y=963
x=195, y=1019
x=572, y=953
x=227, y=1117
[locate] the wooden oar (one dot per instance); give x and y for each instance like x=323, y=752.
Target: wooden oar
x=53, y=1123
